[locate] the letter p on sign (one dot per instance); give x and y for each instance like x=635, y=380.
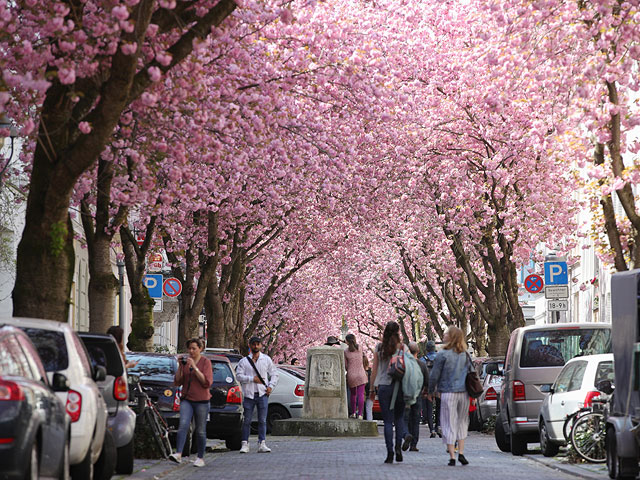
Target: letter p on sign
x=556, y=273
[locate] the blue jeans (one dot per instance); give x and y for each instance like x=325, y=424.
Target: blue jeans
x=248, y=403
x=187, y=411
x=391, y=417
x=413, y=421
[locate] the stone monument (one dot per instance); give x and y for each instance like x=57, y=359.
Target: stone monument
x=325, y=412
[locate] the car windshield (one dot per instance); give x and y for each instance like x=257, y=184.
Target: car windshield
x=150, y=365
x=222, y=372
x=51, y=347
x=548, y=348
x=604, y=372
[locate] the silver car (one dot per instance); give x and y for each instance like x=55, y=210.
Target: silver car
x=574, y=388
x=103, y=351
x=286, y=399
x=487, y=402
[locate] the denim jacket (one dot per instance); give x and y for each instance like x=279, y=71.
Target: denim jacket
x=449, y=372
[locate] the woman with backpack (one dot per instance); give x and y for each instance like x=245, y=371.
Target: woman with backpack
x=390, y=348
x=448, y=377
x=356, y=376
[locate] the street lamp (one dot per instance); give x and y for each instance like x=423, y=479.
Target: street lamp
x=5, y=124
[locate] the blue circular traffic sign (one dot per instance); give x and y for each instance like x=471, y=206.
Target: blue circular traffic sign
x=172, y=287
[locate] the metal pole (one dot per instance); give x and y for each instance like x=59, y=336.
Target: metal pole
x=121, y=299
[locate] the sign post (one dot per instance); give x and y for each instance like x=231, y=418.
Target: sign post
x=556, y=278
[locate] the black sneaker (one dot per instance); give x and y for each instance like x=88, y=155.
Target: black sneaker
x=398, y=455
x=452, y=462
x=433, y=435
x=389, y=457
x=413, y=448
x=462, y=459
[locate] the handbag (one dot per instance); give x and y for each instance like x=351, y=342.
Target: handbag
x=472, y=382
x=397, y=367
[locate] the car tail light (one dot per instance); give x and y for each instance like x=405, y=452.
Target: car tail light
x=234, y=395
x=176, y=399
x=299, y=391
x=518, y=391
x=588, y=400
x=5, y=441
x=74, y=405
x=120, y=390
x=491, y=394
x=10, y=391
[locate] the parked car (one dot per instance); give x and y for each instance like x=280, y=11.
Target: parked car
x=34, y=426
x=535, y=357
x=226, y=413
x=62, y=351
x=121, y=422
x=487, y=402
x=286, y=399
x=156, y=372
x=232, y=354
x=574, y=388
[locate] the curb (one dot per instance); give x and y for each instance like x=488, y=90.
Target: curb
x=567, y=468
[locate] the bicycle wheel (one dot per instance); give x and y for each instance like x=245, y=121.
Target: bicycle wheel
x=570, y=421
x=588, y=437
x=160, y=432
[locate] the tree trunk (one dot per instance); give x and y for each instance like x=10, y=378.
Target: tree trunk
x=45, y=258
x=103, y=285
x=498, y=333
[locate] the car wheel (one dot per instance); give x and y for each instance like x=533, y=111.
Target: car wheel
x=84, y=469
x=106, y=463
x=518, y=444
x=235, y=442
x=33, y=469
x=124, y=464
x=502, y=438
x=549, y=449
x=618, y=468
x=64, y=467
x=276, y=412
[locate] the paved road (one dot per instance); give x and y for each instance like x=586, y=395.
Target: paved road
x=362, y=458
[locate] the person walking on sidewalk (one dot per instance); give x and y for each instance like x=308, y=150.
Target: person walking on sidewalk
x=448, y=377
x=413, y=412
x=431, y=405
x=356, y=376
x=391, y=414
x=195, y=374
x=258, y=376
x=368, y=402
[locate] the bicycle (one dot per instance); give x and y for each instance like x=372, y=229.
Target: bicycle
x=149, y=414
x=588, y=432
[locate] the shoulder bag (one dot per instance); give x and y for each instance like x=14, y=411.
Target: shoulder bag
x=472, y=382
x=397, y=367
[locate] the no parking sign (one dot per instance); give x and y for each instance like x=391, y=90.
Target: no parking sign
x=172, y=287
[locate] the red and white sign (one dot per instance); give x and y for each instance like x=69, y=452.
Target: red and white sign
x=155, y=262
x=140, y=238
x=172, y=287
x=533, y=283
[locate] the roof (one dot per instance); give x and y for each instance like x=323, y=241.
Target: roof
x=35, y=323
x=565, y=326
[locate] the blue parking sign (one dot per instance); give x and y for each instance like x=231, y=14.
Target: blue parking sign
x=153, y=284
x=556, y=273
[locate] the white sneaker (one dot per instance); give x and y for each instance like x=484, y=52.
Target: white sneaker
x=262, y=447
x=359, y=417
x=199, y=462
x=176, y=457
x=245, y=447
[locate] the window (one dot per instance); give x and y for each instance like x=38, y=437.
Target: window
x=564, y=378
x=149, y=365
x=554, y=347
x=11, y=362
x=577, y=377
x=221, y=372
x=604, y=372
x=32, y=357
x=51, y=347
x=82, y=353
x=104, y=353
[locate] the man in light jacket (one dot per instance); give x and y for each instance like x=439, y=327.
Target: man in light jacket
x=258, y=377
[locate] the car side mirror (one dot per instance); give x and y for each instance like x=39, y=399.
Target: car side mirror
x=59, y=383
x=546, y=388
x=605, y=386
x=99, y=373
x=493, y=368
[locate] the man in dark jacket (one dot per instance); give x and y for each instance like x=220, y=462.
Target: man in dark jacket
x=429, y=407
x=413, y=420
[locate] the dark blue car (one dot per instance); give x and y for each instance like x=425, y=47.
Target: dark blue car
x=34, y=426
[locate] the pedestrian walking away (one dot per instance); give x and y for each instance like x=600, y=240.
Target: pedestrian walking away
x=431, y=404
x=356, y=376
x=448, y=377
x=258, y=377
x=195, y=375
x=412, y=414
x=392, y=413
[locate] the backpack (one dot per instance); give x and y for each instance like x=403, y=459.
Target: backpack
x=412, y=381
x=428, y=362
x=397, y=367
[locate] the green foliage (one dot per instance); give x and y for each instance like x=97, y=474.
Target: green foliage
x=58, y=237
x=161, y=348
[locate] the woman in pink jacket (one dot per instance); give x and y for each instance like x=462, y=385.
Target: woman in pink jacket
x=356, y=376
